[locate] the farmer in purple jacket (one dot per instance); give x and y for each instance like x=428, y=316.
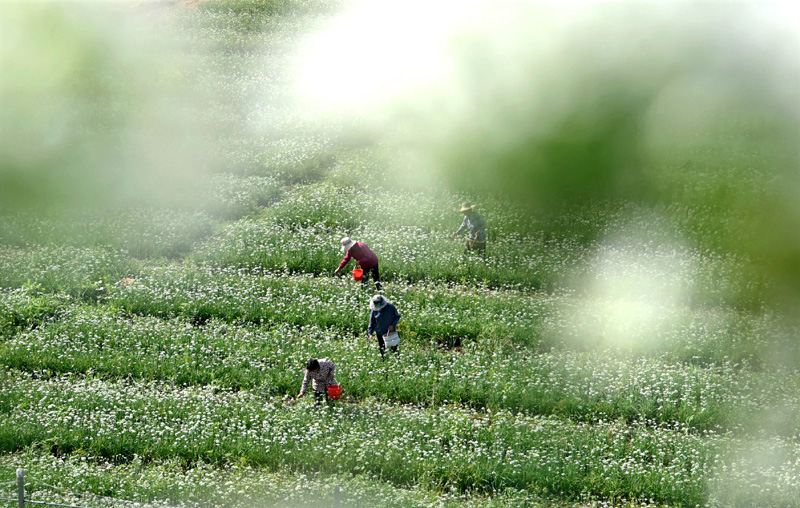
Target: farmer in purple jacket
x=364, y=257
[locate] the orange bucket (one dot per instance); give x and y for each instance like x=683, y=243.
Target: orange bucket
x=358, y=274
x=334, y=392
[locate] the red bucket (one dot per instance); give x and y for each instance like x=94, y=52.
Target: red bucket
x=334, y=392
x=358, y=274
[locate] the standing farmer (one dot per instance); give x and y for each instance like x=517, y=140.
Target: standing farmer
x=474, y=223
x=321, y=372
x=364, y=257
x=383, y=318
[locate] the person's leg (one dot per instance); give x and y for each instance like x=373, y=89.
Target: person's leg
x=396, y=350
x=480, y=243
x=376, y=276
x=381, y=345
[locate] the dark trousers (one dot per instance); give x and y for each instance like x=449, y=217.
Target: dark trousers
x=382, y=346
x=376, y=276
x=318, y=396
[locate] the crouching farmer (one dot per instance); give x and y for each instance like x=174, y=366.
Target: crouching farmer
x=321, y=373
x=365, y=258
x=383, y=318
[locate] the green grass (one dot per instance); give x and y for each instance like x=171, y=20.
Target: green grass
x=442, y=447
x=485, y=374
x=79, y=272
x=163, y=483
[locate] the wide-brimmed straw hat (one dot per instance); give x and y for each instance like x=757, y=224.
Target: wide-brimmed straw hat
x=347, y=244
x=378, y=302
x=466, y=206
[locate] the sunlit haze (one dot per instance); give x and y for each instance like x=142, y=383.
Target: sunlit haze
x=379, y=51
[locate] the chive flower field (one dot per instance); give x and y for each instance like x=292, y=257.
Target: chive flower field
x=598, y=355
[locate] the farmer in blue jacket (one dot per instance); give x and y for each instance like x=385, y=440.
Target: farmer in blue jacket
x=383, y=318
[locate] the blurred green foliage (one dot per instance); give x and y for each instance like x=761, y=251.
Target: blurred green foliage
x=96, y=110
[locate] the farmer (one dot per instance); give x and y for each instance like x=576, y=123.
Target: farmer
x=383, y=318
x=364, y=257
x=474, y=223
x=321, y=373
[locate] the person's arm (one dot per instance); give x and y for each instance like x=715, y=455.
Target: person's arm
x=462, y=228
x=304, y=387
x=393, y=326
x=344, y=262
x=372, y=323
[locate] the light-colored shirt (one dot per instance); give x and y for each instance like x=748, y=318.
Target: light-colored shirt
x=321, y=378
x=476, y=225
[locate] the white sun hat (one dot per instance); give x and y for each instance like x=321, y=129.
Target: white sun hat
x=347, y=244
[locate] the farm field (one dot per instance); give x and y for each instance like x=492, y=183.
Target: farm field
x=600, y=355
